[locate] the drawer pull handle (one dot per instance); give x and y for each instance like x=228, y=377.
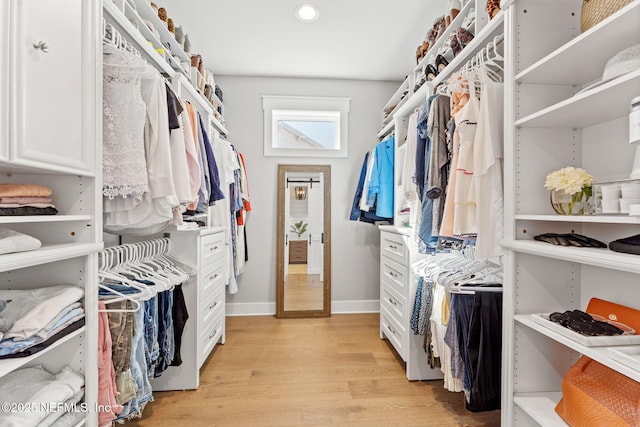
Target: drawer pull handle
x=211, y=307
x=213, y=277
x=392, y=274
x=213, y=334
x=44, y=47
x=394, y=247
x=392, y=301
x=393, y=331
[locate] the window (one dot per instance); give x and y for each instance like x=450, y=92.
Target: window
x=305, y=126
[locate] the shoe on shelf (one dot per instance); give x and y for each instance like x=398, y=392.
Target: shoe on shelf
x=441, y=63
x=431, y=71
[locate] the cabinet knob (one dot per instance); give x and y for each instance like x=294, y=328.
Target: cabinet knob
x=42, y=46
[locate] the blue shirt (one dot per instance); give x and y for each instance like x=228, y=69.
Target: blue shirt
x=381, y=186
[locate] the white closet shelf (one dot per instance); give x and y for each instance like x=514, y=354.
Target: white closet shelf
x=397, y=96
x=433, y=50
x=195, y=96
x=134, y=36
x=386, y=129
x=131, y=14
x=583, y=59
x=216, y=124
x=492, y=29
x=145, y=10
x=597, y=105
x=417, y=99
x=599, y=354
x=541, y=407
x=44, y=218
x=598, y=219
x=47, y=253
x=598, y=257
x=10, y=365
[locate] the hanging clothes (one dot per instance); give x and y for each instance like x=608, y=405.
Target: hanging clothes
x=464, y=220
x=124, y=163
x=381, y=187
x=488, y=155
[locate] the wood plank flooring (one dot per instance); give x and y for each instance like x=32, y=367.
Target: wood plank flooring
x=303, y=292
x=309, y=372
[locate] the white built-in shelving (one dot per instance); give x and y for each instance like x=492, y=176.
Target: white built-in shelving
x=52, y=136
x=556, y=117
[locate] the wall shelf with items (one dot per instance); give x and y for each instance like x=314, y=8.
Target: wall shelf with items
x=441, y=46
x=10, y=365
x=486, y=34
x=144, y=9
x=600, y=353
x=399, y=97
x=219, y=126
x=550, y=124
x=117, y=18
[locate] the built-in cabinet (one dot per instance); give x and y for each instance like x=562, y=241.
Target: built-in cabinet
x=50, y=119
x=550, y=124
x=50, y=102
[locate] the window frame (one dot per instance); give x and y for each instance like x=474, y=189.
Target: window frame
x=313, y=108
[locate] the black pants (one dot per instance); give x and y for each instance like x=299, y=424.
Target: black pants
x=479, y=320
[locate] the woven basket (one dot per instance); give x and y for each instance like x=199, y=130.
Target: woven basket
x=594, y=11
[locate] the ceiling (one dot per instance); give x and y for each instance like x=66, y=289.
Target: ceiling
x=351, y=39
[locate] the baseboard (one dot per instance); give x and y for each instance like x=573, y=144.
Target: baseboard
x=250, y=309
x=269, y=308
x=363, y=306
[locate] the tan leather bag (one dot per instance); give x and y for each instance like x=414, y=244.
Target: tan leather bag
x=594, y=395
x=594, y=11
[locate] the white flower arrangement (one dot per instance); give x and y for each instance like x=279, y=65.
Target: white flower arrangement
x=570, y=180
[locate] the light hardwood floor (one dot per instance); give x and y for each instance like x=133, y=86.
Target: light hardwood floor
x=309, y=372
x=303, y=292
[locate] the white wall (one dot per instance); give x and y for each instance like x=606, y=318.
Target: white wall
x=355, y=248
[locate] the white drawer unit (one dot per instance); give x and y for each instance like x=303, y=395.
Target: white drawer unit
x=204, y=295
x=394, y=283
x=392, y=246
x=397, y=294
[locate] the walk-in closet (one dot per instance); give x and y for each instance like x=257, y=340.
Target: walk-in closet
x=288, y=213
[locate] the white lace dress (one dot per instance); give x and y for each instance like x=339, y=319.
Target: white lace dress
x=124, y=163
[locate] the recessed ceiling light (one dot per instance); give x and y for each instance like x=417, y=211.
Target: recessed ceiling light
x=307, y=12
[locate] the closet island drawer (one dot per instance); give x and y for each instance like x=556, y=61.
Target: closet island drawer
x=394, y=333
x=394, y=304
x=394, y=275
x=210, y=337
x=211, y=278
x=213, y=247
x=210, y=307
x=392, y=246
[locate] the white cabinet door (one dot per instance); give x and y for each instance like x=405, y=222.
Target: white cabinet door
x=4, y=82
x=51, y=43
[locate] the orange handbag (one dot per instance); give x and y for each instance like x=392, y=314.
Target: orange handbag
x=615, y=312
x=594, y=395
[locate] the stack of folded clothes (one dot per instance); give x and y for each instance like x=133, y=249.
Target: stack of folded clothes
x=39, y=389
x=33, y=319
x=26, y=199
